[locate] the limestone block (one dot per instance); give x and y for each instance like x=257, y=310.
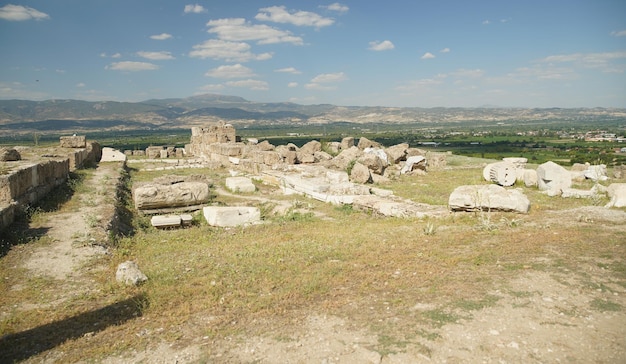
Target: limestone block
x=617, y=194
x=240, y=184
x=163, y=221
x=271, y=158
x=366, y=143
x=305, y=157
x=112, y=155
x=347, y=143
x=155, y=196
x=311, y=147
x=322, y=156
x=488, y=197
x=343, y=159
x=153, y=152
x=360, y=173
x=9, y=155
x=436, y=160
x=530, y=177
x=229, y=216
x=412, y=163
x=73, y=141
x=552, y=177
x=397, y=153
x=373, y=162
x=502, y=173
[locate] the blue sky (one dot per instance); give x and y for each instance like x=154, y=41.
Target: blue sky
x=423, y=53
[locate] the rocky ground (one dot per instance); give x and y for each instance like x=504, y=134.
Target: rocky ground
x=555, y=316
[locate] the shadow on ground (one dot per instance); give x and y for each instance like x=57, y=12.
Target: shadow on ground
x=23, y=345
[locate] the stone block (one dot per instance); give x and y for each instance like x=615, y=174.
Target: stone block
x=230, y=216
x=240, y=184
x=164, y=222
x=112, y=155
x=73, y=141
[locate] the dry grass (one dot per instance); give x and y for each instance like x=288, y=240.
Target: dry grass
x=205, y=281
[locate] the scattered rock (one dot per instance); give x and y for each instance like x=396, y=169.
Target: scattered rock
x=553, y=178
x=502, y=173
x=129, y=274
x=113, y=155
x=412, y=163
x=488, y=197
x=230, y=216
x=360, y=173
x=9, y=155
x=240, y=184
x=617, y=194
x=183, y=194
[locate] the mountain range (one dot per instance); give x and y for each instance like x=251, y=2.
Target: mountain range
x=61, y=115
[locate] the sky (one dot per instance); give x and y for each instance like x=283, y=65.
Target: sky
x=396, y=53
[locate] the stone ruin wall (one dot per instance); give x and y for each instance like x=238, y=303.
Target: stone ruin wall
x=29, y=183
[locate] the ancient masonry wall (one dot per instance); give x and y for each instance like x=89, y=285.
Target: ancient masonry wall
x=31, y=182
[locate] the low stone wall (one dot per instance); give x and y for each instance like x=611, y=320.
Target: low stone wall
x=29, y=183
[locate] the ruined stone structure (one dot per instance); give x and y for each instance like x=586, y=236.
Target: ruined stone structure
x=28, y=180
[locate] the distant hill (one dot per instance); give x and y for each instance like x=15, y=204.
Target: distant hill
x=62, y=115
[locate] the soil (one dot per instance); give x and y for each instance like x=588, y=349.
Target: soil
x=538, y=317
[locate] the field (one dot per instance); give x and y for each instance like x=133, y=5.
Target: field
x=317, y=282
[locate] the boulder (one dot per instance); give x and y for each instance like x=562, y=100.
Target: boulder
x=360, y=174
x=347, y=143
x=158, y=196
x=366, y=143
x=128, y=273
x=112, y=155
x=596, y=173
x=265, y=146
x=240, y=184
x=230, y=216
x=373, y=163
x=436, y=160
x=164, y=222
x=488, y=197
x=553, y=178
x=305, y=157
x=530, y=177
x=334, y=147
x=153, y=152
x=617, y=194
x=397, y=153
x=73, y=141
x=412, y=163
x=9, y=155
x=343, y=159
x=322, y=156
x=311, y=147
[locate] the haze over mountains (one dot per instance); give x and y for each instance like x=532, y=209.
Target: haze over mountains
x=60, y=115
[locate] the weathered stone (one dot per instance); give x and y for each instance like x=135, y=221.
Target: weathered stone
x=412, y=163
x=229, y=216
x=343, y=159
x=396, y=208
x=240, y=184
x=488, y=197
x=164, y=222
x=617, y=194
x=596, y=172
x=366, y=143
x=153, y=152
x=334, y=147
x=518, y=162
x=112, y=155
x=347, y=143
x=502, y=173
x=372, y=162
x=156, y=196
x=9, y=155
x=271, y=158
x=397, y=153
x=128, y=273
x=322, y=156
x=360, y=173
x=530, y=177
x=553, y=178
x=265, y=146
x=73, y=141
x=311, y=147
x=305, y=157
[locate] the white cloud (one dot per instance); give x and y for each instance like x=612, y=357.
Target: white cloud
x=445, y=50
x=156, y=56
x=131, y=66
x=291, y=70
x=337, y=7
x=237, y=29
x=486, y=22
x=230, y=71
x=162, y=36
x=602, y=61
x=80, y=85
x=465, y=73
x=21, y=13
x=385, y=45
x=255, y=85
x=619, y=33
x=329, y=77
x=279, y=14
x=321, y=81
x=428, y=55
x=421, y=84
x=292, y=84
x=60, y=71
x=228, y=51
x=116, y=55
x=196, y=9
